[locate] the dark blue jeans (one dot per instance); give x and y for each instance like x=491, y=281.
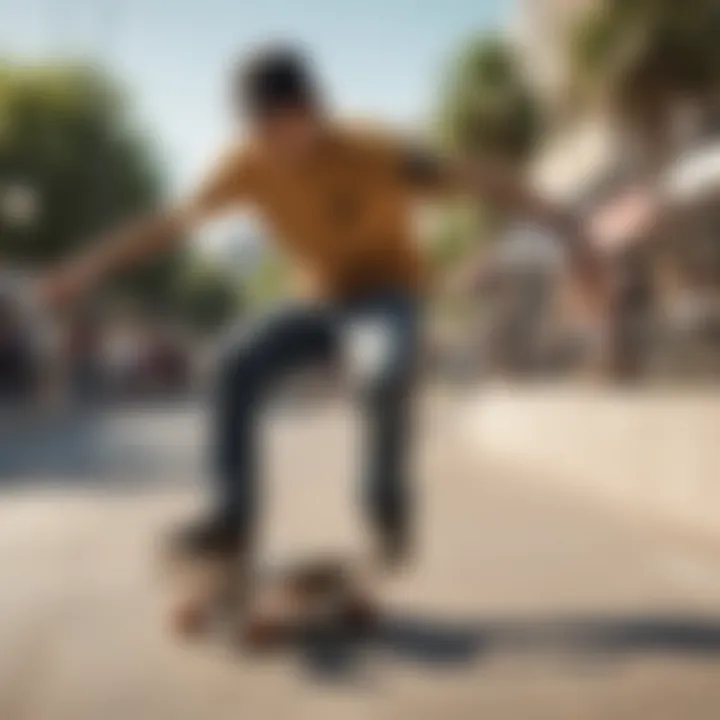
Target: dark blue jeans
x=293, y=338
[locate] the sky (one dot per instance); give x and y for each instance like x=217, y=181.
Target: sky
x=377, y=58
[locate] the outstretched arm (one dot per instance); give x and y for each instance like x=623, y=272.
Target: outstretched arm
x=501, y=187
x=131, y=245
x=148, y=237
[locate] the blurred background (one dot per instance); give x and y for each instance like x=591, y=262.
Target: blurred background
x=568, y=462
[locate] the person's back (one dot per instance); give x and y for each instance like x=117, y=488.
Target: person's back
x=341, y=210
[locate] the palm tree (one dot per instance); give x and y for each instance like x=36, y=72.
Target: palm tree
x=644, y=59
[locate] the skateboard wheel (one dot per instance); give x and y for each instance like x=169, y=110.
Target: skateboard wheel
x=360, y=616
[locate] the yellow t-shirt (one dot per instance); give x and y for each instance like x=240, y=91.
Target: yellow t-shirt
x=343, y=216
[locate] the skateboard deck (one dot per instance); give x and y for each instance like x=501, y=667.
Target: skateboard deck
x=275, y=604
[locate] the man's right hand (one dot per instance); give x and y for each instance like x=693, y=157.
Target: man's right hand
x=128, y=246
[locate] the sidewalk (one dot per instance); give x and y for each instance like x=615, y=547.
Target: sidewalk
x=654, y=451
x=523, y=603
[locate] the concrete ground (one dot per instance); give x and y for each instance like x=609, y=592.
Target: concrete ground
x=522, y=603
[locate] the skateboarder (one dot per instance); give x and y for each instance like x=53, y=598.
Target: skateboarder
x=338, y=201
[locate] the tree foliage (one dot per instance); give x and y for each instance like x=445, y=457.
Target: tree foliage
x=68, y=143
x=486, y=109
x=643, y=57
x=486, y=106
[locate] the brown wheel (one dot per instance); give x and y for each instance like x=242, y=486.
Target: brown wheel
x=360, y=615
x=263, y=634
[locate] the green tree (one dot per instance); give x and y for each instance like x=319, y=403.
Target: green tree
x=67, y=140
x=486, y=109
x=643, y=58
x=486, y=106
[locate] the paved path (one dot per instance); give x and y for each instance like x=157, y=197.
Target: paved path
x=523, y=603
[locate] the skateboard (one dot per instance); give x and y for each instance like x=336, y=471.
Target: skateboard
x=274, y=605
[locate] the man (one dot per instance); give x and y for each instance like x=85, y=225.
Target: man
x=339, y=202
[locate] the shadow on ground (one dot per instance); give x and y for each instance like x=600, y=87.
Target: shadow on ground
x=432, y=642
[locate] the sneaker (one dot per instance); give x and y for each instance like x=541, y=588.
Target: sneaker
x=208, y=567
